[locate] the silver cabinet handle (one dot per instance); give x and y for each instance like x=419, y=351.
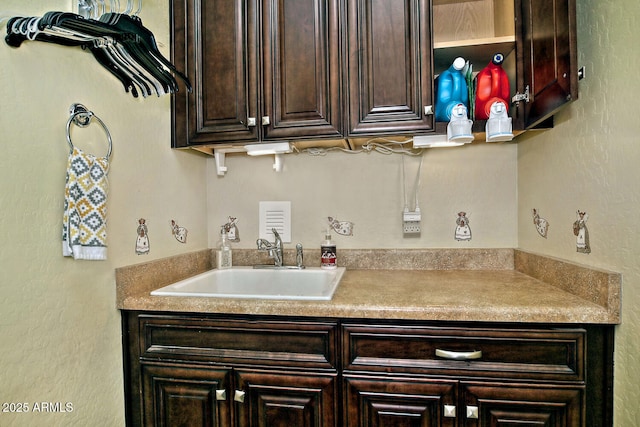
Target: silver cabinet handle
x=251, y=121
x=221, y=394
x=459, y=355
x=266, y=121
x=239, y=396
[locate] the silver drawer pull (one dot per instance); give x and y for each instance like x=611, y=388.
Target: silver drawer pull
x=459, y=355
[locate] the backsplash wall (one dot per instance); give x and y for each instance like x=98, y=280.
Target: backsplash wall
x=367, y=189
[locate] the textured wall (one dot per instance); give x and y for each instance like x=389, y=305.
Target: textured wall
x=590, y=162
x=59, y=329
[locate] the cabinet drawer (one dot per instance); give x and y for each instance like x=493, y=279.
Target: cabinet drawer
x=536, y=354
x=238, y=342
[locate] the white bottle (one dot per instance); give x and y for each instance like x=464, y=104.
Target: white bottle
x=328, y=254
x=224, y=256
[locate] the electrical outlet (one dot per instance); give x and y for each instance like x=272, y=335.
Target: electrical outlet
x=411, y=222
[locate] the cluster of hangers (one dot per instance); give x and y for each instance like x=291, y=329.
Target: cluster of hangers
x=117, y=40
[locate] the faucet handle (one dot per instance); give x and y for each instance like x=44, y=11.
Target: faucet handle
x=299, y=256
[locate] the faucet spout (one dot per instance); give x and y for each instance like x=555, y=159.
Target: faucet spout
x=274, y=249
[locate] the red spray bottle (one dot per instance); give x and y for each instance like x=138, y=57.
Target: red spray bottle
x=492, y=85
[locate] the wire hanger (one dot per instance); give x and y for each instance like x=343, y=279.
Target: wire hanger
x=118, y=41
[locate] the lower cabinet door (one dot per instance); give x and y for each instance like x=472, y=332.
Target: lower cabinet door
x=285, y=400
x=522, y=405
x=392, y=402
x=184, y=396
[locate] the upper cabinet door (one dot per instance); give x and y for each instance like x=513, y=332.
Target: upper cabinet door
x=215, y=42
x=301, y=68
x=261, y=69
x=547, y=54
x=389, y=66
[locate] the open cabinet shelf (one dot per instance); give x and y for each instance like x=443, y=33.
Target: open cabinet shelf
x=472, y=29
x=477, y=51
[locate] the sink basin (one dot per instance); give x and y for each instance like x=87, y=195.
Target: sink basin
x=311, y=283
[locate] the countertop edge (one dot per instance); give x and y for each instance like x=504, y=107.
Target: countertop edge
x=598, y=289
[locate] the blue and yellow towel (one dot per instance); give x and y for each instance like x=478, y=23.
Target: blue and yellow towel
x=84, y=229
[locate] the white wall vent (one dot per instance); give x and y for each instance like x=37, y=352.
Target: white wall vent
x=275, y=215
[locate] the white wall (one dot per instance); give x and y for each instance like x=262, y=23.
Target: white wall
x=590, y=162
x=367, y=189
x=59, y=328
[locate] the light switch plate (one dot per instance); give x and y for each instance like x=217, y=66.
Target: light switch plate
x=275, y=215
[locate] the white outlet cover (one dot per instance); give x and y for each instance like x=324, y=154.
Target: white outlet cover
x=275, y=215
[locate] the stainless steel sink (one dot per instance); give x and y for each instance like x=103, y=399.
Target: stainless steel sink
x=311, y=283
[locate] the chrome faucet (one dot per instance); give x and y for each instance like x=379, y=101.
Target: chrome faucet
x=275, y=252
x=274, y=249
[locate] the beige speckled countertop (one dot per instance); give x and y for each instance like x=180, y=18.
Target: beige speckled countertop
x=488, y=285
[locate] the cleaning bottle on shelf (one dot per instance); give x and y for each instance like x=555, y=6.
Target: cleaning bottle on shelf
x=451, y=90
x=492, y=85
x=224, y=257
x=328, y=253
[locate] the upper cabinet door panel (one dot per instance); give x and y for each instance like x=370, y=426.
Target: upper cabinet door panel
x=301, y=68
x=214, y=41
x=223, y=93
x=389, y=66
x=549, y=56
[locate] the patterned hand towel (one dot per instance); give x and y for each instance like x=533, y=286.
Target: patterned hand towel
x=84, y=228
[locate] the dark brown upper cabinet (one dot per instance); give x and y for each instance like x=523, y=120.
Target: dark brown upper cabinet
x=260, y=69
x=538, y=39
x=547, y=57
x=265, y=70
x=389, y=66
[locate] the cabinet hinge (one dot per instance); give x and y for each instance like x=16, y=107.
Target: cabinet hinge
x=521, y=96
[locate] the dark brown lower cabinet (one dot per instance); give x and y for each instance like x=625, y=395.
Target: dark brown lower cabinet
x=199, y=370
x=254, y=371
x=274, y=400
x=183, y=396
x=398, y=402
x=196, y=396
x=392, y=402
x=522, y=405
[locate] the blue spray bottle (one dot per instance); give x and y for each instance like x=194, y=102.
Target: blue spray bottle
x=451, y=90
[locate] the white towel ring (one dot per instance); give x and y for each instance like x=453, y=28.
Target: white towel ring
x=82, y=118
